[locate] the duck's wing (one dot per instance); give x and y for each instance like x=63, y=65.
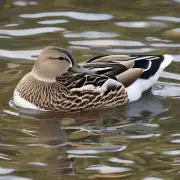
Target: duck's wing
x=72, y=80
x=128, y=68
x=92, y=83
x=83, y=90
x=119, y=67
x=109, y=64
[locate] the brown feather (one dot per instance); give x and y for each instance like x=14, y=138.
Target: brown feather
x=129, y=76
x=128, y=64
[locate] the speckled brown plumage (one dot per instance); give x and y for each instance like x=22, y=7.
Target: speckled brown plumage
x=59, y=97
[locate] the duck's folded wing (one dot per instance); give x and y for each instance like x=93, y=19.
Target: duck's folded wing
x=89, y=83
x=108, y=58
x=110, y=65
x=119, y=67
x=88, y=91
x=79, y=80
x=127, y=68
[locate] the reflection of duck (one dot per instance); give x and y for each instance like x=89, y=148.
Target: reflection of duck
x=56, y=82
x=148, y=105
x=54, y=138
x=50, y=132
x=133, y=112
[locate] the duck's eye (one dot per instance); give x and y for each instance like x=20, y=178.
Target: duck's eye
x=61, y=58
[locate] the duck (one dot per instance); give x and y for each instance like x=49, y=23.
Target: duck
x=57, y=83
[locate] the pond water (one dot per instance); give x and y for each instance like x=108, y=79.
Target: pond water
x=139, y=141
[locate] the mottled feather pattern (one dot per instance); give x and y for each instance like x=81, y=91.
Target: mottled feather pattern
x=58, y=97
x=77, y=80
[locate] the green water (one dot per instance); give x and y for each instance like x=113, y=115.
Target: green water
x=138, y=141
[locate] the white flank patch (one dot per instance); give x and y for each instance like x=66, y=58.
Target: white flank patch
x=167, y=60
x=136, y=89
x=134, y=92
x=19, y=101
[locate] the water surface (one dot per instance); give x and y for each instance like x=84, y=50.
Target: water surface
x=136, y=141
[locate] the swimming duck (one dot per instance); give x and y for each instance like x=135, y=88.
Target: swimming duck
x=57, y=83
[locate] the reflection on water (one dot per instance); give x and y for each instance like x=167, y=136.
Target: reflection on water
x=91, y=34
x=28, y=32
x=141, y=24
x=74, y=15
x=53, y=21
x=106, y=43
x=87, y=136
x=166, y=18
x=136, y=141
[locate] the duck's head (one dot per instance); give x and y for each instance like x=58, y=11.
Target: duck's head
x=52, y=62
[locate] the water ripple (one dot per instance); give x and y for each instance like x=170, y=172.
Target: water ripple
x=29, y=32
x=117, y=160
x=176, y=57
x=108, y=169
x=81, y=156
x=176, y=141
x=107, y=43
x=24, y=3
x=11, y=25
x=4, y=158
x=6, y=171
x=140, y=139
x=13, y=178
x=97, y=150
x=141, y=24
x=92, y=34
x=79, y=47
x=165, y=45
x=71, y=14
x=165, y=18
x=166, y=89
x=152, y=178
x=178, y=1
x=139, y=50
x=5, y=37
x=38, y=163
x=172, y=152
x=58, y=21
x=134, y=24
x=171, y=75
x=20, y=54
x=144, y=136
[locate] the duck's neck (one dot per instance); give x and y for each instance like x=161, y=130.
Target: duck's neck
x=41, y=78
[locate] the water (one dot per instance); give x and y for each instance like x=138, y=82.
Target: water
x=137, y=141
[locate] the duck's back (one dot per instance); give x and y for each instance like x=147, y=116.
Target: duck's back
x=137, y=73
